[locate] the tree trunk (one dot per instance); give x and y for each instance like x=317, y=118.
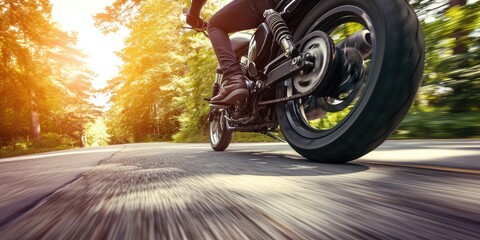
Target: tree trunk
x=457, y=2
x=460, y=33
x=36, y=130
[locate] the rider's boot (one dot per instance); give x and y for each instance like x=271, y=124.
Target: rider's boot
x=231, y=91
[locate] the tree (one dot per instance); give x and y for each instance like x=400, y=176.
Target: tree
x=144, y=93
x=120, y=13
x=166, y=74
x=452, y=57
x=447, y=103
x=42, y=76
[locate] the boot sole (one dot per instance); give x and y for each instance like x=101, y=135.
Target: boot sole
x=232, y=98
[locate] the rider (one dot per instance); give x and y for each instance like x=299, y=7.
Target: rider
x=236, y=16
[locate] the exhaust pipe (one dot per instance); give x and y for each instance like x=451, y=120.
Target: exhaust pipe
x=361, y=41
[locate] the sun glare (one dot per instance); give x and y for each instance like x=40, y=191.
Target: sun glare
x=77, y=16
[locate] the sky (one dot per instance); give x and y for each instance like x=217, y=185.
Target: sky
x=77, y=16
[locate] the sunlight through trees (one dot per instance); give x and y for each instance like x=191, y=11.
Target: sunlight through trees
x=44, y=83
x=167, y=71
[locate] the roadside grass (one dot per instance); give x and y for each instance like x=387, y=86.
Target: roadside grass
x=12, y=152
x=439, y=125
x=49, y=142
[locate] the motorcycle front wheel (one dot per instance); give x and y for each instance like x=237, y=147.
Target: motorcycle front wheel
x=357, y=116
x=220, y=136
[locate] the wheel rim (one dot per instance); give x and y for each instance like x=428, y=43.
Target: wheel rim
x=318, y=116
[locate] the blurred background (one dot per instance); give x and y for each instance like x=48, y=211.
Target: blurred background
x=58, y=91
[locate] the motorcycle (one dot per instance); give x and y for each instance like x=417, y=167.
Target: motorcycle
x=336, y=76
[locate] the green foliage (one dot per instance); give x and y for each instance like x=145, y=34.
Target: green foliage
x=440, y=125
x=166, y=74
x=116, y=15
x=49, y=142
x=52, y=140
x=453, y=57
x=144, y=93
x=199, y=79
x=447, y=103
x=96, y=134
x=452, y=67
x=194, y=124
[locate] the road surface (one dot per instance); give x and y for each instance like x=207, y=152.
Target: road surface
x=403, y=190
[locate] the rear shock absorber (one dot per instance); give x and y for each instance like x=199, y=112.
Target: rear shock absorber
x=281, y=32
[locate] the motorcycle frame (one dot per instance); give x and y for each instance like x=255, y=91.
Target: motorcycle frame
x=287, y=8
x=281, y=68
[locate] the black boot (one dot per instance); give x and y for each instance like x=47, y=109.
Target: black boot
x=231, y=91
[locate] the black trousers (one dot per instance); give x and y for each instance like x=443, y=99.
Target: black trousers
x=236, y=16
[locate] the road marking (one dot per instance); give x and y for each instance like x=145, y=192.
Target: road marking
x=56, y=154
x=427, y=167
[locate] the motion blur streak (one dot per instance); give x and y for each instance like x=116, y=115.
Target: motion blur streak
x=261, y=191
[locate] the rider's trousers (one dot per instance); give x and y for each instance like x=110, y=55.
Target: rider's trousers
x=236, y=16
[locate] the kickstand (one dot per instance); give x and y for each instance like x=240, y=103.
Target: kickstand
x=274, y=136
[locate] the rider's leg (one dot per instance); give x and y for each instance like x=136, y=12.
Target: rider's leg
x=236, y=16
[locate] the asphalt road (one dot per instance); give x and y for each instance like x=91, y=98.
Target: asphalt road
x=403, y=190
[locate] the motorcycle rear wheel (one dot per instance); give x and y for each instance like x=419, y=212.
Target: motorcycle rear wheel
x=382, y=98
